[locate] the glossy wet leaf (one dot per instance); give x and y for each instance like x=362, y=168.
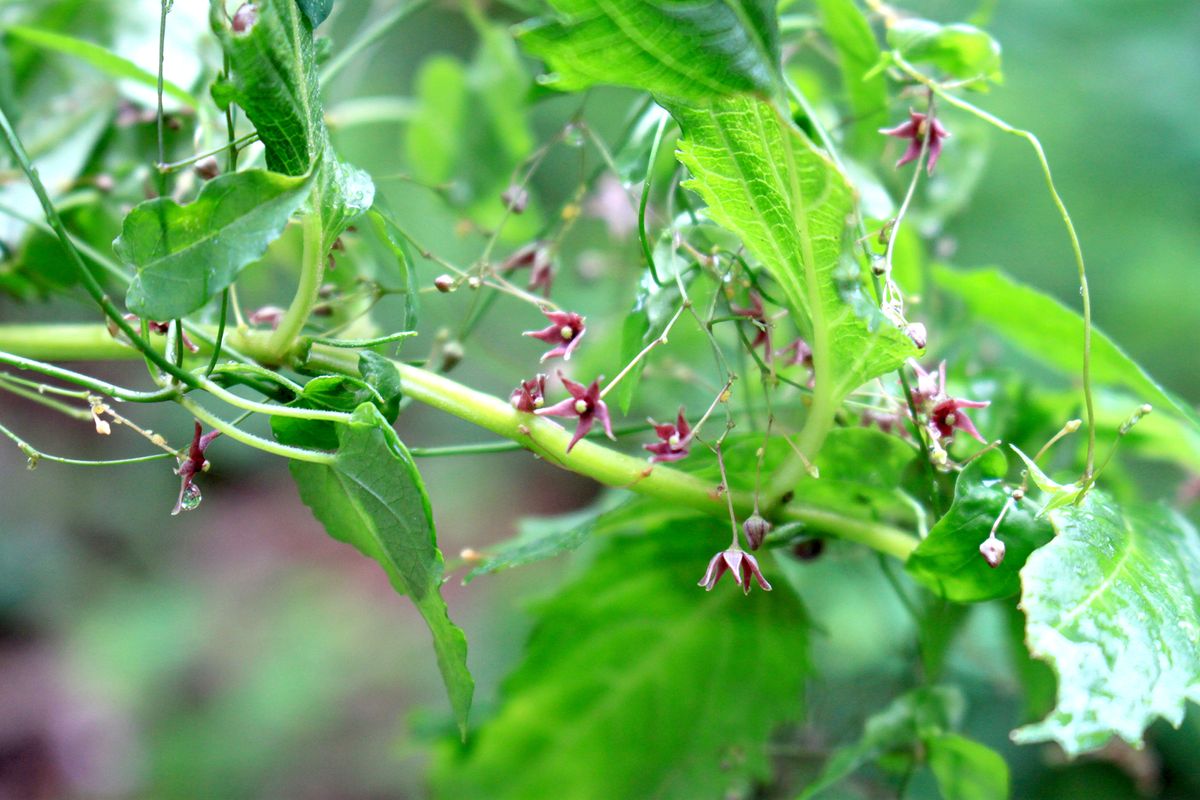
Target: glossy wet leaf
x=274, y=80
x=1046, y=330
x=1113, y=605
x=765, y=181
x=948, y=561
x=962, y=51
x=899, y=728
x=637, y=683
x=693, y=50
x=372, y=497
x=184, y=255
x=99, y=57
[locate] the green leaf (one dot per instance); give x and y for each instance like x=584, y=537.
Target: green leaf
x=637, y=683
x=967, y=770
x=275, y=82
x=695, y=50
x=948, y=559
x=372, y=497
x=961, y=51
x=328, y=393
x=186, y=254
x=1113, y=605
x=1058, y=494
x=1048, y=331
x=101, y=58
x=316, y=10
x=905, y=723
x=408, y=274
x=381, y=374
x=765, y=181
x=858, y=53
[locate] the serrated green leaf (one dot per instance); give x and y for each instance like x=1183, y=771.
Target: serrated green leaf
x=637, y=683
x=858, y=53
x=316, y=10
x=965, y=769
x=275, y=82
x=765, y=181
x=328, y=393
x=1113, y=605
x=1051, y=333
x=692, y=50
x=948, y=559
x=101, y=58
x=961, y=51
x=372, y=497
x=186, y=254
x=905, y=723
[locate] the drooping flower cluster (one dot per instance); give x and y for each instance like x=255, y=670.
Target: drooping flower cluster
x=738, y=563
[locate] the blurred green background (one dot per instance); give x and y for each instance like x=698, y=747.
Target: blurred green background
x=237, y=652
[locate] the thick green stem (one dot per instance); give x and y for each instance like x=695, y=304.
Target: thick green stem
x=541, y=436
x=311, y=271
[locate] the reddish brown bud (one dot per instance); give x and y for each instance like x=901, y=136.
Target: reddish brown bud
x=207, y=168
x=244, y=18
x=444, y=283
x=756, y=528
x=992, y=551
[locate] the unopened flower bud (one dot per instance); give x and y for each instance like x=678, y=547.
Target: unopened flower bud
x=808, y=549
x=207, y=168
x=916, y=332
x=515, y=198
x=104, y=182
x=474, y=282
x=452, y=354
x=244, y=18
x=444, y=283
x=992, y=551
x=756, y=528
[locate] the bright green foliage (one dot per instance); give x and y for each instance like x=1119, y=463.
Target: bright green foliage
x=1057, y=494
x=948, y=560
x=275, y=82
x=962, y=51
x=921, y=719
x=186, y=254
x=692, y=50
x=1051, y=333
x=965, y=769
x=765, y=181
x=408, y=275
x=466, y=110
x=381, y=374
x=315, y=10
x=372, y=497
x=858, y=54
x=1113, y=604
x=101, y=58
x=636, y=683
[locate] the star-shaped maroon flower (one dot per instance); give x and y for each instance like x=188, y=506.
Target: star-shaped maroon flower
x=757, y=314
x=741, y=564
x=916, y=130
x=948, y=415
x=194, y=463
x=676, y=439
x=530, y=395
x=536, y=256
x=584, y=404
x=564, y=332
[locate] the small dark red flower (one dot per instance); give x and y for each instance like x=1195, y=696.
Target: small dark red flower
x=757, y=314
x=584, y=404
x=564, y=332
x=530, y=395
x=948, y=416
x=536, y=256
x=189, y=493
x=676, y=439
x=798, y=352
x=916, y=130
x=741, y=564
